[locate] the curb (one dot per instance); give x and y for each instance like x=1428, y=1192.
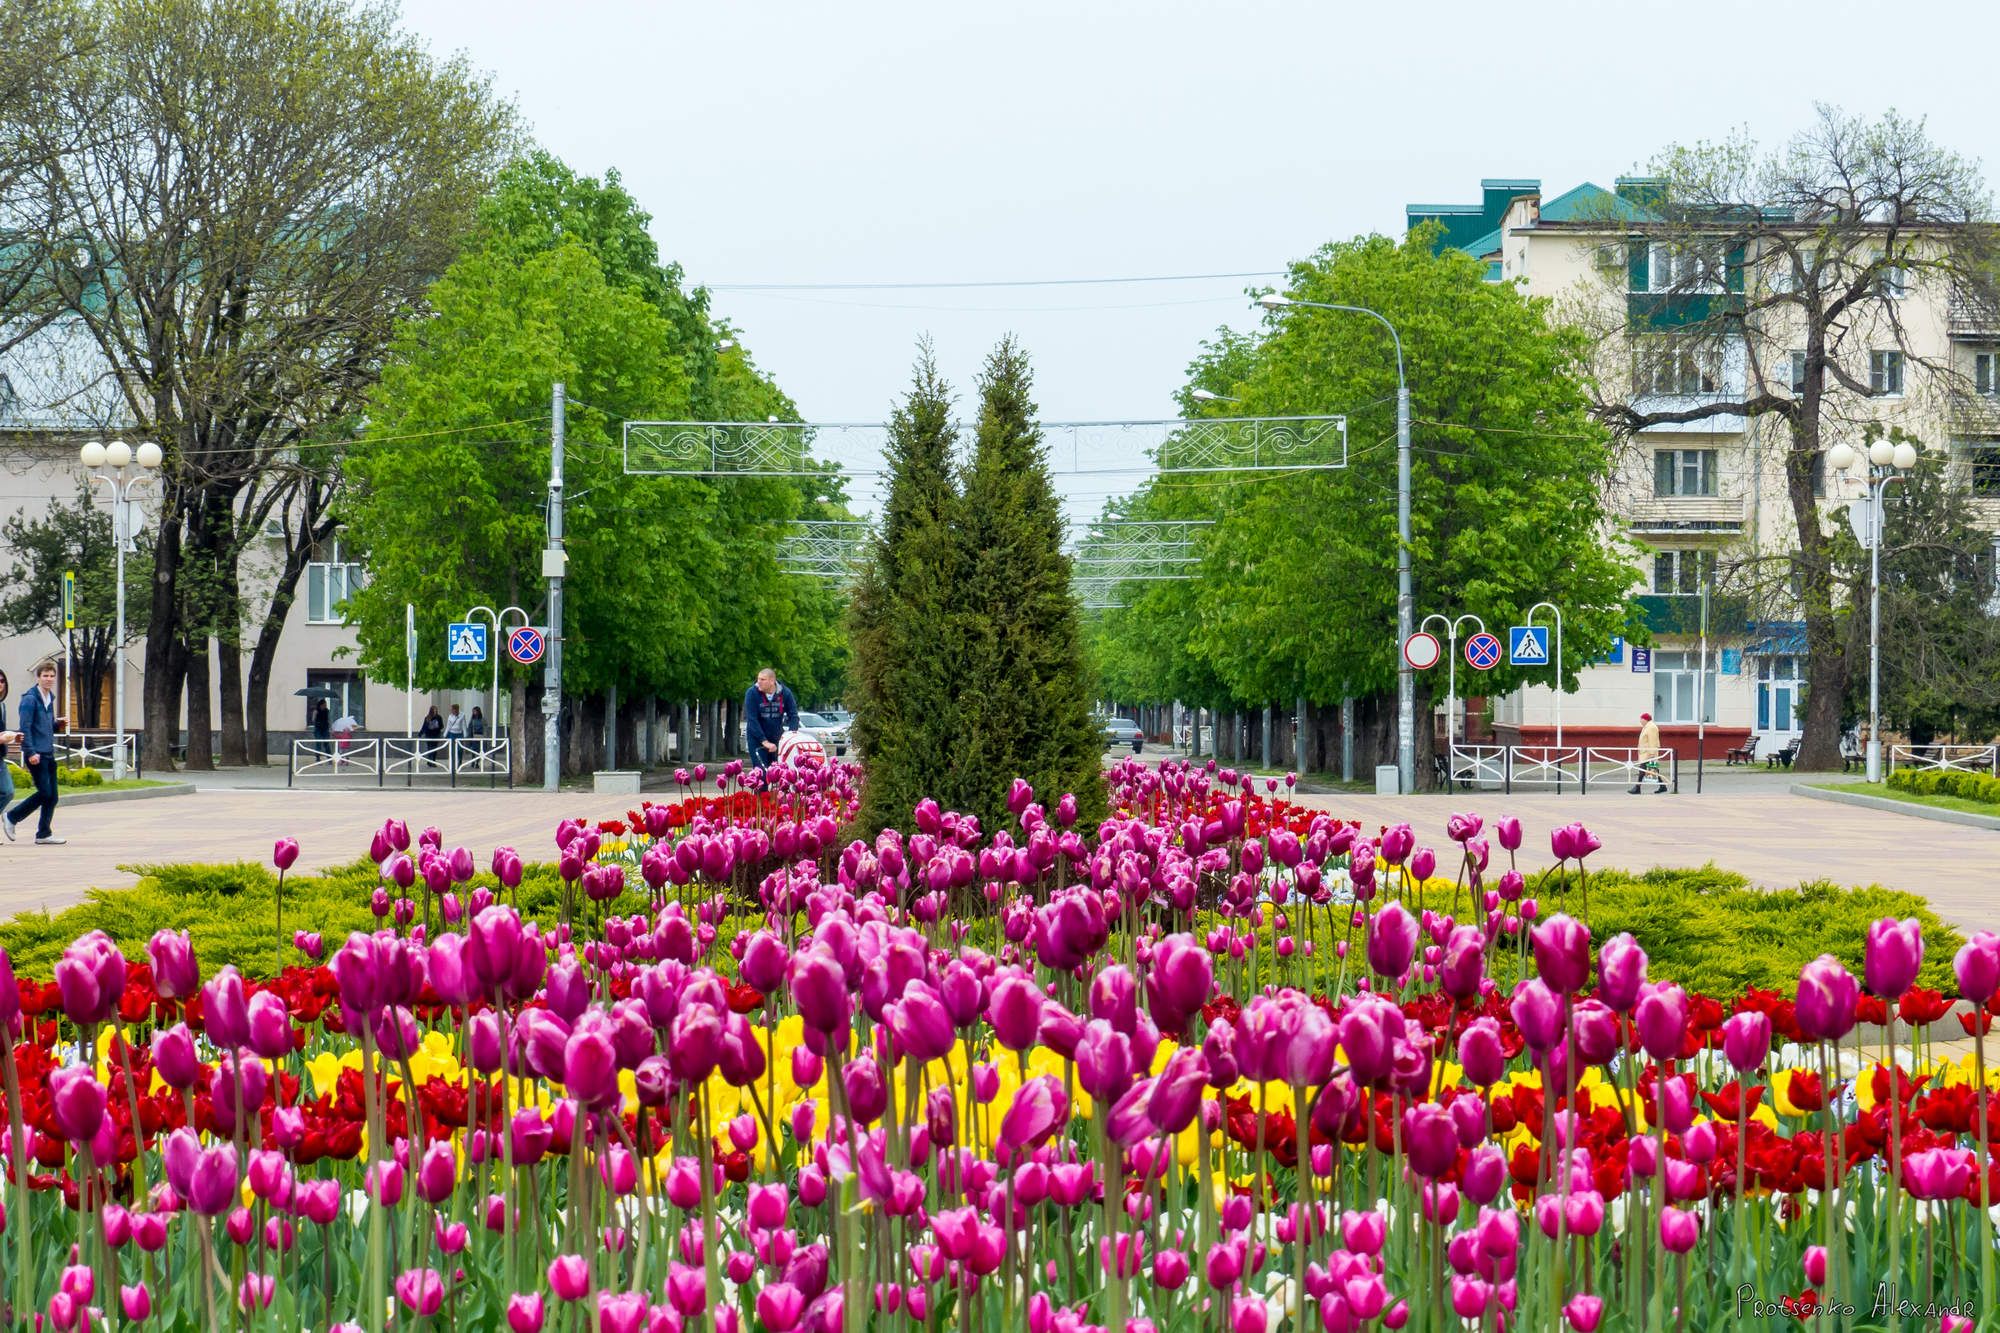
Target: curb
x=89, y=797
x=1912, y=808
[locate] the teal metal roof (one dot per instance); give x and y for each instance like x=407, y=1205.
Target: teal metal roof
x=1593, y=203
x=1482, y=246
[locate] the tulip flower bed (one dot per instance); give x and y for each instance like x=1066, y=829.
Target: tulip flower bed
x=1221, y=1063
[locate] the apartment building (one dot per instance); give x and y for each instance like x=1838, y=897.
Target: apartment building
x=41, y=431
x=1707, y=494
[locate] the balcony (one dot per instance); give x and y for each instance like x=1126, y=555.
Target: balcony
x=1974, y=316
x=1687, y=513
x=1680, y=613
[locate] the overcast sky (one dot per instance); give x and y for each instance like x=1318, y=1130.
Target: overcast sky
x=939, y=142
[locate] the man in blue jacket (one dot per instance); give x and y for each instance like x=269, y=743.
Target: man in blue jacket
x=37, y=719
x=769, y=711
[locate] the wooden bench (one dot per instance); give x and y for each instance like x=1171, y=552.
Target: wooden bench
x=1745, y=754
x=1784, y=756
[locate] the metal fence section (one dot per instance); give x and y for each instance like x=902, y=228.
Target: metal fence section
x=407, y=757
x=1557, y=766
x=1946, y=758
x=1479, y=765
x=1561, y=767
x=1624, y=766
x=97, y=748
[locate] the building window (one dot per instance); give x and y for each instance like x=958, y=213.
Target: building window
x=1679, y=472
x=1894, y=283
x=1684, y=268
x=345, y=692
x=1681, y=573
x=1817, y=478
x=1986, y=373
x=1676, y=682
x=1675, y=367
x=1798, y=372
x=330, y=580
x=1885, y=373
x=1982, y=469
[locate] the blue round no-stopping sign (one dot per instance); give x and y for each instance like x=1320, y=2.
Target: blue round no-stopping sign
x=1482, y=650
x=524, y=645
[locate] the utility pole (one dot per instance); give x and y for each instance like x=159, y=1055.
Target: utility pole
x=1406, y=602
x=553, y=561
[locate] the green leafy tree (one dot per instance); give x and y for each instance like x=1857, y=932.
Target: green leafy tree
x=232, y=203
x=672, y=590
x=906, y=660
x=73, y=536
x=1297, y=589
x=1024, y=698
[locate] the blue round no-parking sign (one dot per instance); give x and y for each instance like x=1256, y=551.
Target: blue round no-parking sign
x=1482, y=650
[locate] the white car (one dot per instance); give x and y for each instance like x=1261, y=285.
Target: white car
x=1122, y=731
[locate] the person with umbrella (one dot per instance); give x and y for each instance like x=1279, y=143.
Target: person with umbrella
x=344, y=728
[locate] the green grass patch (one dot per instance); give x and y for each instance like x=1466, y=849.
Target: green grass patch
x=1936, y=799
x=1707, y=928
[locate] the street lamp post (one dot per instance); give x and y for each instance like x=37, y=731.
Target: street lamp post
x=1406, y=607
x=1887, y=464
x=118, y=456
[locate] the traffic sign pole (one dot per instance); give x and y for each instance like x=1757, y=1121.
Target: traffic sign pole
x=1556, y=661
x=1451, y=670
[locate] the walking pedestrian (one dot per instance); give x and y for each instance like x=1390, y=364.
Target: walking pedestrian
x=322, y=728
x=38, y=747
x=430, y=731
x=1649, y=755
x=476, y=726
x=454, y=726
x=769, y=711
x=6, y=736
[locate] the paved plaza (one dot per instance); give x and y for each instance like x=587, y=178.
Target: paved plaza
x=1758, y=828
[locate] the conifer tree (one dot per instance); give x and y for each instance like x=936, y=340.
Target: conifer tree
x=1024, y=698
x=904, y=667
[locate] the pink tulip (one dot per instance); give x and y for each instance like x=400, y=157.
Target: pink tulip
x=1815, y=1265
x=136, y=1301
x=1679, y=1230
x=1894, y=955
x=421, y=1290
x=525, y=1312
x=569, y=1277
x=1827, y=999
x=1583, y=1312
x=1746, y=1040
x=285, y=853
x=1978, y=967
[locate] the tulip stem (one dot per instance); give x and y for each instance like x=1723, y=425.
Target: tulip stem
x=1895, y=1184
x=18, y=1159
x=1987, y=1291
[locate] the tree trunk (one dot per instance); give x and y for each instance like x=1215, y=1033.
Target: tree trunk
x=160, y=688
x=200, y=713
x=525, y=733
x=229, y=676
x=284, y=593
x=1826, y=655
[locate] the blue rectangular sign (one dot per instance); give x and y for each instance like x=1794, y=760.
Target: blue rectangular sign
x=466, y=641
x=1732, y=661
x=1642, y=661
x=1528, y=645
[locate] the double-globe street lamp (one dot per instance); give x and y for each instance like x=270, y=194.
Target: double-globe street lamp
x=119, y=457
x=1406, y=611
x=1887, y=464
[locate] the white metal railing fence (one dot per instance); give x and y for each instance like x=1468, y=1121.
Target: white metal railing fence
x=405, y=757
x=1943, y=758
x=97, y=748
x=1478, y=765
x=1557, y=766
x=1505, y=767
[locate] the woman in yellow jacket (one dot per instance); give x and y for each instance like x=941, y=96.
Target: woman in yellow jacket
x=1649, y=754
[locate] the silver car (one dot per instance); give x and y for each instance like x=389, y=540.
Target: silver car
x=831, y=734
x=1119, y=731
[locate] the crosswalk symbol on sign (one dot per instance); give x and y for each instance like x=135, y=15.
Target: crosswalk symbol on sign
x=467, y=642
x=1528, y=645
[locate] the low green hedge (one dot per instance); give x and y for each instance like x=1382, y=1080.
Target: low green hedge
x=66, y=776
x=1948, y=782
x=1706, y=928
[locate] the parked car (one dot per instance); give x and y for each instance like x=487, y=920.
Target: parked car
x=1123, y=731
x=840, y=717
x=833, y=735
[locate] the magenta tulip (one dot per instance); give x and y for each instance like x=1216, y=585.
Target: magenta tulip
x=1828, y=999
x=1894, y=955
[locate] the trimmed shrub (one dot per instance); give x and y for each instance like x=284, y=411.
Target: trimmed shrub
x=1979, y=787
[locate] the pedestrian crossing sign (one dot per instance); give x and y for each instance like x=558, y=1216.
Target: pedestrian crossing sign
x=466, y=641
x=1528, y=645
